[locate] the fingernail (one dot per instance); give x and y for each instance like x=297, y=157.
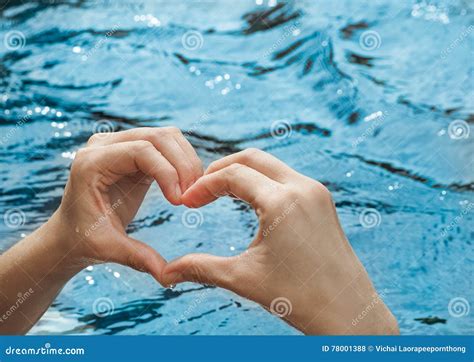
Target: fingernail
x=178, y=192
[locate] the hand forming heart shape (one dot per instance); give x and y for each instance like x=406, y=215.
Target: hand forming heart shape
x=296, y=264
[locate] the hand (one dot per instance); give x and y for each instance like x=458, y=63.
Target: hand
x=300, y=264
x=109, y=179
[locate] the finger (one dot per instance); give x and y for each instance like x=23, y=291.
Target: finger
x=140, y=256
x=120, y=159
x=169, y=141
x=259, y=160
x=200, y=268
x=239, y=180
x=192, y=156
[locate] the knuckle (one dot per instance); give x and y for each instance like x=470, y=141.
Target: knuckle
x=93, y=139
x=172, y=130
x=320, y=193
x=194, y=270
x=250, y=153
x=234, y=169
x=82, y=161
x=214, y=165
x=143, y=145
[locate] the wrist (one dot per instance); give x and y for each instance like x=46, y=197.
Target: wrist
x=61, y=246
x=339, y=301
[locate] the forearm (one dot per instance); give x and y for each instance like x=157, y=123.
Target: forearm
x=341, y=299
x=31, y=275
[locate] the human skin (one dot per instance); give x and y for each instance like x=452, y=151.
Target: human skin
x=303, y=257
x=108, y=181
x=300, y=264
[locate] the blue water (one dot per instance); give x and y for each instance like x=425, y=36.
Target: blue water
x=357, y=94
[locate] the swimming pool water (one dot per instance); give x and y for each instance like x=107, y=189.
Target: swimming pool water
x=374, y=99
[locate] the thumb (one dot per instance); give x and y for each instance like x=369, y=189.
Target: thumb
x=141, y=257
x=201, y=268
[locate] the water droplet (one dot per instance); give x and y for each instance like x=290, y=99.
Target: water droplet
x=76, y=49
x=117, y=274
